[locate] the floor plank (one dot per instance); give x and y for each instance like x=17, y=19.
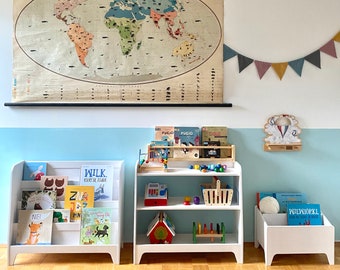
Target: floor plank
x=253, y=259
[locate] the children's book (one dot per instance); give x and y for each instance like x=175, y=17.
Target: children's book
x=101, y=177
x=165, y=133
x=96, y=226
x=56, y=183
x=77, y=198
x=34, y=227
x=304, y=214
x=158, y=154
x=285, y=198
x=38, y=199
x=34, y=170
x=186, y=136
x=61, y=215
x=215, y=134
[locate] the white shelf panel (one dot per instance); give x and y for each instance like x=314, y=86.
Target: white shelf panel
x=190, y=172
x=176, y=203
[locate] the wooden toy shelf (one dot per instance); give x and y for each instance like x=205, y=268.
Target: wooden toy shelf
x=150, y=164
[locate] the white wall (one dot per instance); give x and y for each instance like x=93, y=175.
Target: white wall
x=267, y=30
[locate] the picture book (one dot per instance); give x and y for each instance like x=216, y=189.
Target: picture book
x=34, y=227
x=38, y=200
x=96, y=226
x=216, y=134
x=165, y=133
x=61, y=215
x=186, y=136
x=285, y=198
x=101, y=177
x=304, y=214
x=158, y=154
x=34, y=170
x=78, y=198
x=56, y=183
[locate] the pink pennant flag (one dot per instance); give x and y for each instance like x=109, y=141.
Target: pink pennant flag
x=329, y=48
x=262, y=68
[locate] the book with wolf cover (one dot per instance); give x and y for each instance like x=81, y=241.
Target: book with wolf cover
x=34, y=227
x=77, y=198
x=96, y=226
x=216, y=134
x=101, y=177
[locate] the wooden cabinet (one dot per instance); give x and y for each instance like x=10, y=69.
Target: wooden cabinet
x=66, y=236
x=182, y=181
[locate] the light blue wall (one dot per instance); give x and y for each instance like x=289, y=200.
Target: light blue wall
x=315, y=170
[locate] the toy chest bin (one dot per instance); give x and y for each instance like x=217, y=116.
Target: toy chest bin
x=276, y=237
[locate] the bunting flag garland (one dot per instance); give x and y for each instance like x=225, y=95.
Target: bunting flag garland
x=280, y=68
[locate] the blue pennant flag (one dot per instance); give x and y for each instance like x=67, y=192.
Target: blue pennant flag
x=228, y=53
x=297, y=65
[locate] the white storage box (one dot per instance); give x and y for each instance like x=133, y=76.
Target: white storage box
x=276, y=237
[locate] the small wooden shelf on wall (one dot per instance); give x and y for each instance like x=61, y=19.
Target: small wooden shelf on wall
x=281, y=147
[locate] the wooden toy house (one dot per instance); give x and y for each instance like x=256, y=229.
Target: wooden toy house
x=161, y=229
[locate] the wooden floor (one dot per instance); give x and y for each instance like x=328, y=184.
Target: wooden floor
x=253, y=259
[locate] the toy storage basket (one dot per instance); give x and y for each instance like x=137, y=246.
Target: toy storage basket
x=213, y=194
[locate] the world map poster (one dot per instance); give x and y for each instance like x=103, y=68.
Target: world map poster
x=118, y=51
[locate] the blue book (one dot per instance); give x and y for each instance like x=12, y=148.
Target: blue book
x=285, y=198
x=34, y=170
x=186, y=136
x=304, y=214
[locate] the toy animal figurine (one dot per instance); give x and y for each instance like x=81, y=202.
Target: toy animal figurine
x=102, y=233
x=33, y=238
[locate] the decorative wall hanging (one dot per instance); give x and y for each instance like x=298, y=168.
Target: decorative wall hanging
x=282, y=133
x=280, y=68
x=145, y=52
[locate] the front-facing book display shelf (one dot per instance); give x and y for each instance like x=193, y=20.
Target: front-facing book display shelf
x=66, y=236
x=183, y=184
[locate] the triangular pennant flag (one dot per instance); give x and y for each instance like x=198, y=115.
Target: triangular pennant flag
x=337, y=37
x=228, y=53
x=314, y=58
x=329, y=48
x=297, y=65
x=262, y=67
x=243, y=62
x=280, y=69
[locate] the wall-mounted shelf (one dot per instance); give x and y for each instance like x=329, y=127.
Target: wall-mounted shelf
x=282, y=147
x=96, y=104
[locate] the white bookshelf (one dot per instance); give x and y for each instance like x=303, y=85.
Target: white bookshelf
x=66, y=236
x=179, y=179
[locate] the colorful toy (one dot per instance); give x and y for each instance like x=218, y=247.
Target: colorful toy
x=212, y=234
x=187, y=200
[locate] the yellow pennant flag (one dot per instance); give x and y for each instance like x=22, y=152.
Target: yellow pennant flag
x=280, y=69
x=337, y=37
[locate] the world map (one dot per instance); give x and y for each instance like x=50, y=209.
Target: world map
x=119, y=42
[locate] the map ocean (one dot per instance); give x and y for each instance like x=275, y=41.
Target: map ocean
x=118, y=42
